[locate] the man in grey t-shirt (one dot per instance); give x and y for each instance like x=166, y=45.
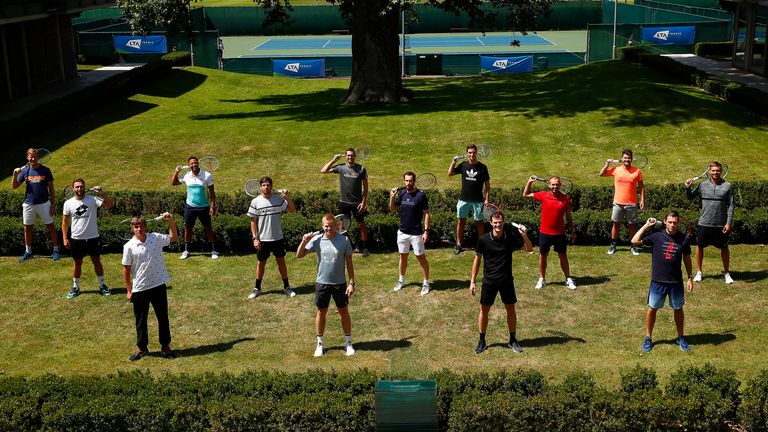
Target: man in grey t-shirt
x=716, y=218
x=353, y=191
x=334, y=253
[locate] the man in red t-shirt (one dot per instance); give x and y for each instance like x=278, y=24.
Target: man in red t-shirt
x=554, y=205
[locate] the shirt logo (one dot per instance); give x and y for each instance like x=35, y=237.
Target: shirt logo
x=81, y=211
x=670, y=248
x=471, y=174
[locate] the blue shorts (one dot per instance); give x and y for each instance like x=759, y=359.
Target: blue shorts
x=659, y=290
x=463, y=208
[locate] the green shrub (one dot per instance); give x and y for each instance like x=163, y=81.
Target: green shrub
x=630, y=53
x=177, y=58
x=713, y=49
x=753, y=410
x=638, y=379
x=704, y=397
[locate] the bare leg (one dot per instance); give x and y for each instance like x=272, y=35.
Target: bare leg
x=403, y=263
x=346, y=321
x=725, y=254
x=52, y=234
x=543, y=264
x=97, y=267
x=615, y=231
x=28, y=229
x=482, y=319
x=564, y=264
x=699, y=258
x=650, y=321
x=511, y=317
x=77, y=269
x=320, y=321
x=363, y=230
x=280, y=267
x=679, y=321
x=480, y=228
x=460, y=230
x=260, y=269
x=424, y=266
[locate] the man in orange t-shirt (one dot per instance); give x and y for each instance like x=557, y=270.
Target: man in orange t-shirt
x=628, y=181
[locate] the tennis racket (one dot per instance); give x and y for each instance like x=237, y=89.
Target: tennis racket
x=252, y=187
x=208, y=163
x=484, y=151
x=424, y=181
x=566, y=185
x=69, y=191
x=126, y=232
x=362, y=153
x=43, y=157
x=342, y=224
x=639, y=160
x=489, y=209
x=706, y=173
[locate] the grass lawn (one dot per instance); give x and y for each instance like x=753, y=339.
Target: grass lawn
x=598, y=328
x=564, y=122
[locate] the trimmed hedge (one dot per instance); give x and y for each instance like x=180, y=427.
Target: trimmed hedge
x=713, y=49
x=697, y=398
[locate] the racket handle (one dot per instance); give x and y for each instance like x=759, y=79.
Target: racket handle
x=185, y=167
x=516, y=225
x=459, y=157
x=158, y=218
x=541, y=179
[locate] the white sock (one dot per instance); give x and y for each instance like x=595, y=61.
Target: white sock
x=401, y=279
x=426, y=281
x=28, y=249
x=76, y=283
x=101, y=280
x=319, y=339
x=348, y=339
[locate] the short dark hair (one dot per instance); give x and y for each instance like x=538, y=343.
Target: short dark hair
x=265, y=179
x=627, y=152
x=78, y=180
x=350, y=149
x=409, y=173
x=138, y=220
x=497, y=215
x=472, y=146
x=716, y=163
x=193, y=157
x=672, y=213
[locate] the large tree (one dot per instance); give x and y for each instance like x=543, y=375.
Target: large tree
x=375, y=31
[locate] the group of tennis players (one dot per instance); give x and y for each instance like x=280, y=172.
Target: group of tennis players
x=146, y=276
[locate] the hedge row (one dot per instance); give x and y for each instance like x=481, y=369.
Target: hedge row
x=752, y=99
x=748, y=195
x=697, y=398
x=233, y=232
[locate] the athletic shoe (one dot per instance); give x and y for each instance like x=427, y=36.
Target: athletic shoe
x=214, y=255
x=425, y=289
x=541, y=283
x=611, y=249
x=634, y=251
x=74, y=292
x=647, y=344
x=25, y=257
x=289, y=292
x=104, y=290
x=515, y=346
x=728, y=278
x=319, y=351
x=184, y=255
x=365, y=253
x=699, y=277
x=481, y=346
x=170, y=355
x=458, y=249
x=681, y=342
x=255, y=293
x=569, y=284
x=398, y=286
x=55, y=255
x=350, y=351
x=138, y=355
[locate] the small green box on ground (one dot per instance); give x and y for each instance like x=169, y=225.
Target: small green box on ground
x=406, y=405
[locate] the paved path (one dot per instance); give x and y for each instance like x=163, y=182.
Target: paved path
x=722, y=69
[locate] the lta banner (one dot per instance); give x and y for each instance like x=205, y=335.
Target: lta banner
x=299, y=68
x=669, y=35
x=140, y=45
x=506, y=65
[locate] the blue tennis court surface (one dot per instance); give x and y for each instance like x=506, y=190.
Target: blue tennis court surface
x=413, y=41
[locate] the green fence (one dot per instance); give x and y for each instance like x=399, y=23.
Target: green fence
x=635, y=14
x=710, y=12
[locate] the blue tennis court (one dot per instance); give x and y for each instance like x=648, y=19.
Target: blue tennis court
x=412, y=41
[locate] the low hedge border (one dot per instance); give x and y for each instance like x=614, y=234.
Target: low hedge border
x=696, y=398
x=747, y=195
x=233, y=232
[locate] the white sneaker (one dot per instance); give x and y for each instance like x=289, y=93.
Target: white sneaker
x=214, y=255
x=728, y=278
x=569, y=284
x=611, y=249
x=255, y=293
x=698, y=277
x=398, y=286
x=425, y=289
x=319, y=351
x=541, y=283
x=184, y=255
x=634, y=251
x=289, y=292
x=350, y=351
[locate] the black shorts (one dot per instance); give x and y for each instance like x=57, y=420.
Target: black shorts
x=351, y=210
x=81, y=248
x=559, y=242
x=324, y=292
x=276, y=248
x=193, y=213
x=711, y=236
x=507, y=290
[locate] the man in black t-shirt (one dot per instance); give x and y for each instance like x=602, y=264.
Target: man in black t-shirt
x=414, y=207
x=475, y=192
x=496, y=247
x=670, y=247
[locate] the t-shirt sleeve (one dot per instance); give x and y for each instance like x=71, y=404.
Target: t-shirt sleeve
x=347, y=247
x=48, y=174
x=284, y=205
x=515, y=238
x=163, y=239
x=649, y=240
x=99, y=201
x=486, y=174
x=611, y=170
x=639, y=175
x=252, y=209
x=687, y=245
x=399, y=197
x=539, y=195
x=311, y=243
x=363, y=174
x=457, y=168
x=208, y=179
x=65, y=210
x=480, y=247
x=424, y=201
x=127, y=257
x=336, y=169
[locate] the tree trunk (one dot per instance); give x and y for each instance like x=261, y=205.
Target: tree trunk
x=375, y=53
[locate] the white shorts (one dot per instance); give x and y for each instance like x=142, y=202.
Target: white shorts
x=30, y=211
x=407, y=241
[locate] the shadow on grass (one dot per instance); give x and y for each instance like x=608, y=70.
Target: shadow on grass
x=648, y=99
x=748, y=276
x=379, y=345
x=206, y=349
x=557, y=338
x=174, y=85
x=585, y=281
x=702, y=339
x=448, y=285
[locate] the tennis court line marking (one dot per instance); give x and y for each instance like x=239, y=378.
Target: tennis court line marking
x=326, y=43
x=481, y=42
x=257, y=46
x=546, y=39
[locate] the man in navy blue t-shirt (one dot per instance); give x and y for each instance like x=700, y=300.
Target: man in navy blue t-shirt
x=414, y=207
x=39, y=201
x=670, y=247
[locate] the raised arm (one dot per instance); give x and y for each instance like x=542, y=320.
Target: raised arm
x=527, y=246
x=301, y=252
x=392, y=195
x=637, y=239
x=107, y=202
x=604, y=170
x=175, y=177
x=452, y=166
x=527, y=189
x=171, y=227
x=291, y=206
x=327, y=167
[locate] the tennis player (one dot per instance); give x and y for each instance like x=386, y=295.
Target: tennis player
x=475, y=192
x=414, y=207
x=353, y=193
x=627, y=181
x=200, y=203
x=39, y=201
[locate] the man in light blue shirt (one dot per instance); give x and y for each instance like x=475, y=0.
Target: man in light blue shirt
x=200, y=203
